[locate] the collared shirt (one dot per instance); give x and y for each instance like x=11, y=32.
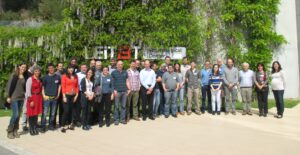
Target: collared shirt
x=148, y=77
x=80, y=76
x=231, y=76
x=184, y=68
x=246, y=79
x=222, y=69
x=119, y=80
x=134, y=79
x=205, y=76
x=193, y=77
x=97, y=76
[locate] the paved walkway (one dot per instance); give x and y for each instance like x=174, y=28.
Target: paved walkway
x=193, y=135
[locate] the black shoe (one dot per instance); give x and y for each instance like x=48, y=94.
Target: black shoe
x=63, y=130
x=107, y=124
x=43, y=130
x=144, y=118
x=166, y=116
x=203, y=112
x=101, y=125
x=85, y=128
x=218, y=113
x=213, y=113
x=152, y=118
x=279, y=116
x=78, y=124
x=89, y=127
x=25, y=128
x=265, y=115
x=52, y=128
x=124, y=122
x=260, y=114
x=71, y=127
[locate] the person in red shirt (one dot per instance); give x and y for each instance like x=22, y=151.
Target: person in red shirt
x=34, y=102
x=69, y=85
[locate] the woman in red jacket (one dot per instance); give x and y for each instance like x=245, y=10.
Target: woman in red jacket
x=69, y=86
x=34, y=99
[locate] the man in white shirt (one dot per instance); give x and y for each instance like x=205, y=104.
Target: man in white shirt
x=77, y=114
x=246, y=80
x=148, y=79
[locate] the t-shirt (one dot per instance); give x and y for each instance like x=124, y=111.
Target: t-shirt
x=278, y=81
x=51, y=84
x=170, y=80
x=215, y=80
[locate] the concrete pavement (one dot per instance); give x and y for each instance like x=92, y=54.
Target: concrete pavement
x=195, y=135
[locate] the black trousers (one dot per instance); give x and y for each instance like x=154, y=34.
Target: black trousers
x=86, y=110
x=105, y=108
x=262, y=99
x=59, y=110
x=77, y=109
x=147, y=100
x=69, y=108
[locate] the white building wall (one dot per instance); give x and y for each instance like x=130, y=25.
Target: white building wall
x=288, y=54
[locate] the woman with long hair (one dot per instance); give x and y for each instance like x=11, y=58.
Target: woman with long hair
x=262, y=89
x=278, y=86
x=216, y=81
x=16, y=96
x=69, y=86
x=87, y=98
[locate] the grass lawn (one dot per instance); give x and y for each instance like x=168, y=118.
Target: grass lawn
x=288, y=103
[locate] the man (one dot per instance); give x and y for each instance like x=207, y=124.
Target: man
x=160, y=73
x=73, y=63
x=51, y=92
x=59, y=104
x=246, y=80
x=96, y=105
x=170, y=83
x=231, y=79
x=193, y=77
x=93, y=65
x=167, y=61
x=138, y=65
x=221, y=70
x=112, y=66
x=148, y=80
x=205, y=87
x=185, y=67
x=77, y=113
x=121, y=90
x=133, y=96
x=157, y=90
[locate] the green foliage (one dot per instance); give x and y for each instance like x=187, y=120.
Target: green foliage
x=250, y=34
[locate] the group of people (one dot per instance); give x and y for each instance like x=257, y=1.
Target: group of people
x=84, y=95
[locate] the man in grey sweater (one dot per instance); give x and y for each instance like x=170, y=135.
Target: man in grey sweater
x=231, y=79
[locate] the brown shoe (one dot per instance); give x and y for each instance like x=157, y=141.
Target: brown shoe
x=136, y=118
x=250, y=113
x=244, y=113
x=182, y=113
x=189, y=113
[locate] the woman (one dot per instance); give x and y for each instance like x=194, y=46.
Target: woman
x=87, y=97
x=105, y=105
x=262, y=89
x=215, y=81
x=16, y=96
x=278, y=86
x=181, y=88
x=34, y=97
x=69, y=86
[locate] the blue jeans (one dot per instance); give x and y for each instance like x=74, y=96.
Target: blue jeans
x=16, y=107
x=120, y=107
x=156, y=101
x=170, y=98
x=278, y=95
x=181, y=100
x=49, y=105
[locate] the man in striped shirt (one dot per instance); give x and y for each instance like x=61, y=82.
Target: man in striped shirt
x=133, y=96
